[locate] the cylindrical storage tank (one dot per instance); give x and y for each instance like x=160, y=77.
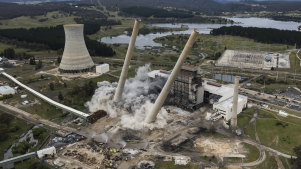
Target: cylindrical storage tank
x=76, y=58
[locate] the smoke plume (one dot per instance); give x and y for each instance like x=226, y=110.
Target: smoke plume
x=137, y=100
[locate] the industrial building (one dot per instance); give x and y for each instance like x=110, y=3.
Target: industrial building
x=6, y=90
x=190, y=92
x=221, y=99
x=225, y=108
x=187, y=90
x=103, y=68
x=76, y=58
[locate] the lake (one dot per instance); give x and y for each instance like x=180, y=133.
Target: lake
x=144, y=41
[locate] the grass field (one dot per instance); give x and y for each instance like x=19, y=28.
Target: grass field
x=295, y=62
x=210, y=44
x=253, y=153
x=268, y=163
x=171, y=165
x=271, y=84
x=17, y=50
x=50, y=19
x=280, y=133
x=32, y=163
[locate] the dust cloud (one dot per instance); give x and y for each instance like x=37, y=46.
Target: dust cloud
x=137, y=101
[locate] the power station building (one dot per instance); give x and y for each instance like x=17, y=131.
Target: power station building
x=190, y=92
x=76, y=58
x=187, y=90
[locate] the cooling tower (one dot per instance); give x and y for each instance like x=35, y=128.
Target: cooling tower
x=161, y=98
x=76, y=58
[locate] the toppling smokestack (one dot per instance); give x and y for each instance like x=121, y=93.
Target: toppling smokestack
x=125, y=68
x=235, y=102
x=160, y=100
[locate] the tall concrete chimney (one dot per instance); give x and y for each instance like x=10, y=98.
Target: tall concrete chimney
x=76, y=58
x=161, y=98
x=126, y=64
x=235, y=102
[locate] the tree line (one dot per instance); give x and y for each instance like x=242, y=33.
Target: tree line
x=263, y=35
x=13, y=10
x=156, y=12
x=53, y=38
x=208, y=7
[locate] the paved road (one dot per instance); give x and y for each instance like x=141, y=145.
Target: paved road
x=35, y=118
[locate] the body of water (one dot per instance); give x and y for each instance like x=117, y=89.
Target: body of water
x=144, y=41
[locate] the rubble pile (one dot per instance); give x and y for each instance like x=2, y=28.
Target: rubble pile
x=93, y=154
x=69, y=139
x=145, y=165
x=97, y=115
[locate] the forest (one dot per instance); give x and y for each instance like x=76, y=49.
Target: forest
x=53, y=38
x=263, y=35
x=208, y=7
x=13, y=10
x=156, y=12
x=286, y=18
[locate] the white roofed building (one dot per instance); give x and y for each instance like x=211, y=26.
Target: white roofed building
x=6, y=90
x=221, y=99
x=225, y=107
x=103, y=68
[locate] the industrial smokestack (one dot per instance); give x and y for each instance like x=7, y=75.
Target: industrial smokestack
x=235, y=102
x=161, y=98
x=126, y=64
x=76, y=57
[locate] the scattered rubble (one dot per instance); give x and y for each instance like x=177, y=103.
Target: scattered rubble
x=97, y=115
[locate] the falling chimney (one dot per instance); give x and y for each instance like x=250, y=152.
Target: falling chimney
x=126, y=64
x=235, y=102
x=161, y=98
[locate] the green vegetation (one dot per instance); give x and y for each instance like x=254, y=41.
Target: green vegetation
x=263, y=35
x=156, y=12
x=251, y=131
x=213, y=46
x=37, y=132
x=295, y=62
x=22, y=148
x=49, y=19
x=278, y=134
x=31, y=164
x=243, y=119
x=269, y=162
x=10, y=130
x=269, y=84
x=253, y=153
x=210, y=158
x=171, y=165
x=297, y=162
x=44, y=38
x=287, y=163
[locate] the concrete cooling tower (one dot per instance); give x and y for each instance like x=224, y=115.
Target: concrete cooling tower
x=76, y=58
